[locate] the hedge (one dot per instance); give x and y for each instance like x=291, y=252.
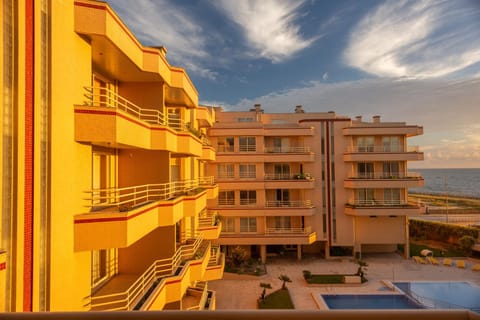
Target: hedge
x=431, y=230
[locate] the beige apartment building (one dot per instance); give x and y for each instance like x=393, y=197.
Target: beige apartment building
x=300, y=182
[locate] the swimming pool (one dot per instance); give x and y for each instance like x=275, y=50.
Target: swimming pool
x=443, y=295
x=369, y=301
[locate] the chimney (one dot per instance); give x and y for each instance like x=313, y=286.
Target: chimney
x=299, y=109
x=358, y=119
x=376, y=119
x=257, y=108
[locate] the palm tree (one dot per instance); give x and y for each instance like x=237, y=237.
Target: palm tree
x=285, y=279
x=265, y=286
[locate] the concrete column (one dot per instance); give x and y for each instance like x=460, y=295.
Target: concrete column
x=263, y=253
x=299, y=252
x=407, y=239
x=327, y=250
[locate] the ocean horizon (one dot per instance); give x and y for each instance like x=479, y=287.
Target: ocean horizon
x=463, y=182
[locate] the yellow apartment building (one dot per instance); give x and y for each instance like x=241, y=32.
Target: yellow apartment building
x=317, y=182
x=104, y=186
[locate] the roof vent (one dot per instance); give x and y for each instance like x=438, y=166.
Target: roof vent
x=257, y=108
x=358, y=119
x=376, y=119
x=299, y=109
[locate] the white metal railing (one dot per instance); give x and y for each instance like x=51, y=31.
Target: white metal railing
x=127, y=197
x=287, y=176
x=380, y=148
x=103, y=97
x=291, y=204
x=127, y=299
x=206, y=181
x=208, y=218
x=247, y=148
x=379, y=203
x=386, y=175
x=288, y=149
x=226, y=202
x=300, y=231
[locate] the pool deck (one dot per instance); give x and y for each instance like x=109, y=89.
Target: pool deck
x=242, y=292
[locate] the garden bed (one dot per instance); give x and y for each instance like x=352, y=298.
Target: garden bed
x=279, y=299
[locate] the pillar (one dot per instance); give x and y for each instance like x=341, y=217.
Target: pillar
x=263, y=253
x=299, y=252
x=407, y=239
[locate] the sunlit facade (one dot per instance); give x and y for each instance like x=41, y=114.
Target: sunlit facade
x=103, y=162
x=318, y=183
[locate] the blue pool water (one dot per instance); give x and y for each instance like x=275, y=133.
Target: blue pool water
x=443, y=295
x=369, y=301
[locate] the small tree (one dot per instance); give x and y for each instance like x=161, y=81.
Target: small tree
x=467, y=242
x=362, y=266
x=307, y=274
x=239, y=256
x=285, y=279
x=265, y=286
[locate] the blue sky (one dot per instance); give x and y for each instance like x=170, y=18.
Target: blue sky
x=412, y=61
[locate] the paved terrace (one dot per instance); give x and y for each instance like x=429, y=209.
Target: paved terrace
x=241, y=291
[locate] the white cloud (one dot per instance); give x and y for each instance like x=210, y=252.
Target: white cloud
x=269, y=26
x=447, y=109
x=325, y=76
x=421, y=39
x=158, y=23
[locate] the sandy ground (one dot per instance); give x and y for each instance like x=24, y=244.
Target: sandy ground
x=242, y=292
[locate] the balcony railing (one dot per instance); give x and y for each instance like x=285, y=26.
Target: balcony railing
x=288, y=176
x=247, y=148
x=379, y=203
x=381, y=149
x=292, y=231
x=290, y=204
x=208, y=218
x=226, y=202
x=287, y=149
x=387, y=175
x=129, y=197
x=129, y=299
x=103, y=97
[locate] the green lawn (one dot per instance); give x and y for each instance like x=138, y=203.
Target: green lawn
x=279, y=299
x=450, y=251
x=325, y=278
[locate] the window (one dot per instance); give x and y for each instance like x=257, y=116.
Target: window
x=228, y=224
x=366, y=144
x=283, y=222
x=248, y=171
x=248, y=224
x=225, y=144
x=365, y=170
x=365, y=196
x=391, y=196
x=248, y=197
x=245, y=119
x=103, y=266
x=391, y=144
x=247, y=144
x=225, y=171
x=282, y=171
x=391, y=170
x=226, y=198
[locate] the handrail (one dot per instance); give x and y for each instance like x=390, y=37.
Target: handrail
x=381, y=149
x=386, y=175
x=159, y=269
x=291, y=204
x=132, y=196
x=288, y=176
x=306, y=230
x=106, y=98
x=305, y=149
x=379, y=203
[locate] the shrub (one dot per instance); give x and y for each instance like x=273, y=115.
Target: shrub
x=307, y=274
x=239, y=256
x=467, y=242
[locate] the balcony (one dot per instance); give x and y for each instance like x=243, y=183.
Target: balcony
x=383, y=153
x=208, y=183
x=108, y=119
x=227, y=207
x=289, y=181
x=383, y=208
x=385, y=180
x=205, y=116
x=288, y=154
x=165, y=281
x=216, y=265
x=209, y=225
x=270, y=236
x=208, y=152
x=198, y=298
x=120, y=216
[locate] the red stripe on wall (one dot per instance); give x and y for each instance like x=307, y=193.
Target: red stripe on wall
x=29, y=134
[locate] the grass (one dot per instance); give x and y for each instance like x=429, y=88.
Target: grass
x=325, y=278
x=448, y=251
x=279, y=299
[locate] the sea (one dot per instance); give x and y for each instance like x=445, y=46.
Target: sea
x=455, y=182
